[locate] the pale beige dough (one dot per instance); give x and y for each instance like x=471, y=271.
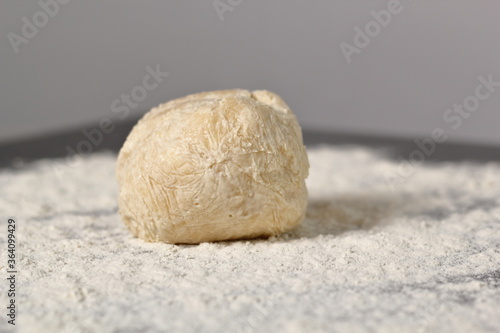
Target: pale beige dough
x=213, y=166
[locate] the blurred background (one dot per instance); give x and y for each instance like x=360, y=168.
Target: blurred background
x=376, y=68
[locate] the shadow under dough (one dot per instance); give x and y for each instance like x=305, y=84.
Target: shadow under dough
x=345, y=212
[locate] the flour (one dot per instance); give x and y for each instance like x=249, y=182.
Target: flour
x=423, y=256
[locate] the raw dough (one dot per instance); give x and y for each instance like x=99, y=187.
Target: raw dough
x=214, y=166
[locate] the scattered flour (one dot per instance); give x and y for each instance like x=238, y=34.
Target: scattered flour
x=423, y=256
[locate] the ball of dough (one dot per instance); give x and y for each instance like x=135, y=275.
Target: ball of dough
x=213, y=166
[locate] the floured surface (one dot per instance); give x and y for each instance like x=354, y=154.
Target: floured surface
x=423, y=256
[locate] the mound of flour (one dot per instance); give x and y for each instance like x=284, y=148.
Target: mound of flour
x=418, y=255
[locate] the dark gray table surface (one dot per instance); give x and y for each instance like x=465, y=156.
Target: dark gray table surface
x=55, y=145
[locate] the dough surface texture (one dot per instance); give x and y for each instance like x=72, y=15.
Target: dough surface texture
x=213, y=166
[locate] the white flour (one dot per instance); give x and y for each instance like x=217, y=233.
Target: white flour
x=421, y=257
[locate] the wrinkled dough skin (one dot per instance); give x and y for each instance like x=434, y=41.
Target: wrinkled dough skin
x=213, y=166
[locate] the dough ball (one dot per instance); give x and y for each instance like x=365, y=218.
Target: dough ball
x=213, y=166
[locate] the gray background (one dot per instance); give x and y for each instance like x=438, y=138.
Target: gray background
x=428, y=58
